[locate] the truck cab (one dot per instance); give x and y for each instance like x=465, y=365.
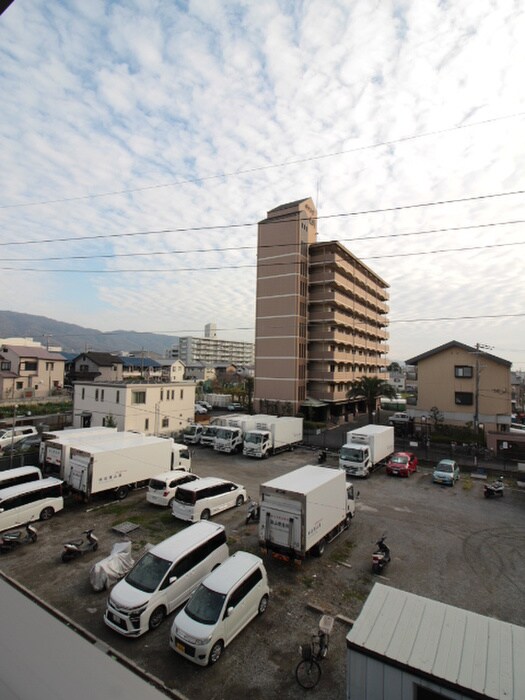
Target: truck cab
x=355, y=460
x=257, y=443
x=228, y=439
x=192, y=434
x=181, y=458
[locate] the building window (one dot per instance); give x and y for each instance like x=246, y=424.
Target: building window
x=165, y=422
x=102, y=394
x=50, y=365
x=117, y=398
x=30, y=366
x=19, y=385
x=428, y=694
x=182, y=394
x=5, y=366
x=146, y=424
x=162, y=394
x=96, y=394
x=463, y=371
x=464, y=398
x=83, y=393
x=138, y=397
x=83, y=368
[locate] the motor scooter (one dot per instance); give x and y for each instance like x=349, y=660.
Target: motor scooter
x=254, y=511
x=381, y=556
x=76, y=548
x=11, y=540
x=494, y=489
x=321, y=456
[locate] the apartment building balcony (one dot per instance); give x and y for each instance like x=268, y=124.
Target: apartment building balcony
x=322, y=332
x=318, y=284
x=372, y=309
x=354, y=272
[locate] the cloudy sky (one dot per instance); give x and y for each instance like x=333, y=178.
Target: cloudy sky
x=141, y=142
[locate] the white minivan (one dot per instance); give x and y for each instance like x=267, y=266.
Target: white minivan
x=162, y=487
x=164, y=577
x=203, y=498
x=221, y=607
x=10, y=436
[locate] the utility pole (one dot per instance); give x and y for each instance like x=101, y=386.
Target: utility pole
x=478, y=368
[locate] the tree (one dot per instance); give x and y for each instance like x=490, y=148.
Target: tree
x=370, y=390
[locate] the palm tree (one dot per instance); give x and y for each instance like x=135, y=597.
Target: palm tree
x=370, y=389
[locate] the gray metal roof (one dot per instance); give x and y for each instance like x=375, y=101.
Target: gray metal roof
x=464, y=650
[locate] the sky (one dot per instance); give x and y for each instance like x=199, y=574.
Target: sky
x=142, y=141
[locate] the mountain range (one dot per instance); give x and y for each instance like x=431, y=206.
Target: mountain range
x=73, y=338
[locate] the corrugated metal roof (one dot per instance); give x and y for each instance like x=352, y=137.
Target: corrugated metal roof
x=457, y=646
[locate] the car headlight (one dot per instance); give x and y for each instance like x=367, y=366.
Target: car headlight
x=135, y=613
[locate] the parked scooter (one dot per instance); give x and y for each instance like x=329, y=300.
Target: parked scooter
x=76, y=548
x=494, y=489
x=321, y=456
x=381, y=556
x=10, y=540
x=254, y=512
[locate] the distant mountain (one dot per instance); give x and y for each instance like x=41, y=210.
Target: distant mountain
x=73, y=338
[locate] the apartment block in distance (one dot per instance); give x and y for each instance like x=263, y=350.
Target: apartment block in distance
x=211, y=350
x=321, y=317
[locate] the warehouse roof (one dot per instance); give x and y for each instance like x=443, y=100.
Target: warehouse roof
x=453, y=647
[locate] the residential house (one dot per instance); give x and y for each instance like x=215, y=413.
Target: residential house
x=97, y=367
x=172, y=370
x=149, y=408
x=141, y=368
x=200, y=372
x=29, y=372
x=466, y=384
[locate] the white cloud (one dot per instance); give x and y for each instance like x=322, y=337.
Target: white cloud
x=137, y=97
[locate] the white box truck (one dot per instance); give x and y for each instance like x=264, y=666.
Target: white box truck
x=230, y=435
x=54, y=455
x=272, y=434
x=366, y=449
x=300, y=512
x=123, y=462
x=192, y=434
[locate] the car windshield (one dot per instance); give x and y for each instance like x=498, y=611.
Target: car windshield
x=445, y=467
x=205, y=605
x=256, y=438
x=399, y=460
x=148, y=572
x=3, y=433
x=157, y=485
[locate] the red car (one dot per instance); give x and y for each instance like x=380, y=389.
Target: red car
x=402, y=464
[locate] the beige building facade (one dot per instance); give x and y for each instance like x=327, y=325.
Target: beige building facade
x=320, y=316
x=152, y=409
x=29, y=372
x=467, y=385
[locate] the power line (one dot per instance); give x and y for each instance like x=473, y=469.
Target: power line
x=261, y=168
x=254, y=247
x=270, y=222
x=215, y=268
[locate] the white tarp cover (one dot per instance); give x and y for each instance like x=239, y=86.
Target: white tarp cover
x=108, y=571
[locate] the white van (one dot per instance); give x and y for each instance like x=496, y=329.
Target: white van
x=205, y=497
x=35, y=500
x=164, y=578
x=19, y=475
x=162, y=488
x=221, y=607
x=12, y=435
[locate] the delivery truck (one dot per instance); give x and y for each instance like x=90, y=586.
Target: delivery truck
x=366, y=449
x=121, y=463
x=230, y=435
x=272, y=434
x=192, y=434
x=54, y=455
x=303, y=510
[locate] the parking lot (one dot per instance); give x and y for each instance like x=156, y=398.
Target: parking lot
x=450, y=544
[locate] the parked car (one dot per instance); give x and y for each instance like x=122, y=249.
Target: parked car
x=200, y=409
x=164, y=578
x=399, y=418
x=402, y=464
x=221, y=607
x=206, y=404
x=234, y=406
x=30, y=443
x=9, y=436
x=203, y=498
x=446, y=472
x=162, y=487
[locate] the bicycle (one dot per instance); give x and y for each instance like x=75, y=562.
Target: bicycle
x=308, y=670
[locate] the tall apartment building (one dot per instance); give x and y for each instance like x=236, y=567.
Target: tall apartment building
x=211, y=350
x=320, y=316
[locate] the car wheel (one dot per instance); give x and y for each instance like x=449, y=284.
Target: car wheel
x=205, y=515
x=121, y=492
x=263, y=604
x=156, y=618
x=319, y=548
x=215, y=653
x=47, y=513
x=170, y=503
x=239, y=501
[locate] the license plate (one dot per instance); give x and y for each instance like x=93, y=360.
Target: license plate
x=180, y=646
x=394, y=471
